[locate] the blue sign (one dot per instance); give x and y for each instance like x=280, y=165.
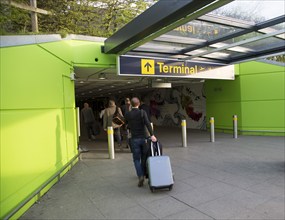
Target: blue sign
x=158, y=67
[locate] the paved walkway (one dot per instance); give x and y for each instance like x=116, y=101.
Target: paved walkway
x=230, y=179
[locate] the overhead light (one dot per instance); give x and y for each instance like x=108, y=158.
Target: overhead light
x=102, y=76
x=161, y=85
x=81, y=82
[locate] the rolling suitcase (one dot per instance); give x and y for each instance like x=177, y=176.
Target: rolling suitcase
x=159, y=171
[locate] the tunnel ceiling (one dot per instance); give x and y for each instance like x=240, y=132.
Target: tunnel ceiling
x=196, y=30
x=90, y=86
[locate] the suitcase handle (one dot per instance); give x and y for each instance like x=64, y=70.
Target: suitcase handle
x=158, y=148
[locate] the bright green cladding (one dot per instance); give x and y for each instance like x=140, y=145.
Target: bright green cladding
x=38, y=118
x=88, y=54
x=256, y=96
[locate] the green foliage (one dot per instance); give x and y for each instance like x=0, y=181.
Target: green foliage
x=279, y=58
x=12, y=19
x=95, y=18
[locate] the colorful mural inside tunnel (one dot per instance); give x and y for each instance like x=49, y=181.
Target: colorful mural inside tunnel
x=170, y=106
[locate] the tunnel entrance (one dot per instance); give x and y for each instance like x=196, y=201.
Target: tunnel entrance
x=184, y=100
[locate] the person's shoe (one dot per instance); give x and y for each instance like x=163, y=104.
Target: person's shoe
x=141, y=180
x=93, y=137
x=82, y=149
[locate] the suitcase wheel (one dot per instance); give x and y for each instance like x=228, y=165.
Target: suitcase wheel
x=170, y=187
x=151, y=189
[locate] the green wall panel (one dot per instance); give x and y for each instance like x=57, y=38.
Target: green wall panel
x=68, y=92
x=259, y=68
x=32, y=79
x=71, y=132
x=223, y=101
x=269, y=86
x=267, y=115
x=257, y=95
x=223, y=113
x=38, y=125
x=33, y=154
x=85, y=53
x=62, y=50
x=222, y=90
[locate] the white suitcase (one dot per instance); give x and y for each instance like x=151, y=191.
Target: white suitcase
x=159, y=171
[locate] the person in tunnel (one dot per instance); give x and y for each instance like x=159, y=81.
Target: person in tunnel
x=126, y=107
x=89, y=120
x=107, y=121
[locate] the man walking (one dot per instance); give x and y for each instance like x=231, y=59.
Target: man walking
x=107, y=121
x=126, y=108
x=89, y=120
x=137, y=120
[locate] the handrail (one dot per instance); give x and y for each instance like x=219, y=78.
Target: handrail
x=19, y=206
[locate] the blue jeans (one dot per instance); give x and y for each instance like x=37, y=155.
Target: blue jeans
x=138, y=146
x=117, y=133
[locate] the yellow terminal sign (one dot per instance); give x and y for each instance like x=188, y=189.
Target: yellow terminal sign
x=147, y=66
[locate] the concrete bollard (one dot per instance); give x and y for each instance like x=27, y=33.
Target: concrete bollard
x=78, y=122
x=235, y=130
x=212, y=123
x=111, y=148
x=184, y=133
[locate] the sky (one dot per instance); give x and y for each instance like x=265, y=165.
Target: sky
x=265, y=8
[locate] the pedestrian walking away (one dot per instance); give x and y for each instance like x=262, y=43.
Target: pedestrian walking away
x=89, y=120
x=125, y=131
x=108, y=121
x=136, y=121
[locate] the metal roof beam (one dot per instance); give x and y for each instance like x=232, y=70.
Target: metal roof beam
x=161, y=17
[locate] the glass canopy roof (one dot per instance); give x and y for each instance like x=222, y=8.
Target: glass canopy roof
x=238, y=31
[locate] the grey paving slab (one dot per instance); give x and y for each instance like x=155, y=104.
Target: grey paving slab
x=272, y=209
x=181, y=174
x=268, y=189
x=135, y=212
x=165, y=207
x=190, y=213
x=194, y=197
x=71, y=204
x=198, y=181
x=225, y=208
x=230, y=179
